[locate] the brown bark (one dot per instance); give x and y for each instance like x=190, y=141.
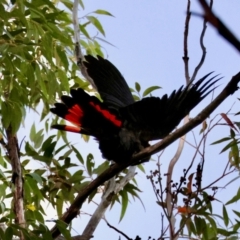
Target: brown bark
x=17, y=180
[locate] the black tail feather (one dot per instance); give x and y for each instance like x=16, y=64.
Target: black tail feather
x=87, y=113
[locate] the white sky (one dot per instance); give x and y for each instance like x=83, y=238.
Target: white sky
x=148, y=36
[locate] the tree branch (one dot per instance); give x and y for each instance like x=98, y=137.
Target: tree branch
x=185, y=43
x=219, y=25
x=111, y=190
x=17, y=180
x=204, y=52
x=117, y=230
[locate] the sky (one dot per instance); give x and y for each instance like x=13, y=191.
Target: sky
x=148, y=39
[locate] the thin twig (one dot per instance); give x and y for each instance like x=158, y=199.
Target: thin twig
x=185, y=43
x=169, y=200
x=117, y=230
x=204, y=52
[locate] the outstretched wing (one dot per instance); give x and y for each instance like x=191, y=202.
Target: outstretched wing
x=154, y=118
x=87, y=114
x=110, y=83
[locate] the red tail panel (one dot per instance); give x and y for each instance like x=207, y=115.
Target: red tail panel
x=74, y=115
x=88, y=113
x=107, y=114
x=67, y=128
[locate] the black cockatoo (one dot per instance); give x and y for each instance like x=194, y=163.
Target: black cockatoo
x=122, y=126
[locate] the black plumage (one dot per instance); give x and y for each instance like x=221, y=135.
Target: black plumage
x=124, y=127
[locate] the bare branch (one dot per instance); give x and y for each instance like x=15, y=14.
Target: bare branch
x=174, y=160
x=172, y=163
x=204, y=52
x=219, y=25
x=185, y=42
x=128, y=238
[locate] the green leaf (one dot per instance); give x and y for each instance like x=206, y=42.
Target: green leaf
x=225, y=216
x=235, y=153
x=62, y=55
x=136, y=98
x=149, y=90
x=191, y=227
x=59, y=205
x=198, y=224
x=81, y=3
x=225, y=233
x=30, y=150
x=90, y=163
x=36, y=177
x=16, y=115
x=62, y=226
x=103, y=12
x=84, y=31
x=66, y=154
x=234, y=198
x=137, y=87
x=232, y=133
x=47, y=42
x=9, y=233
x=11, y=114
x=38, y=139
x=77, y=177
x=237, y=123
x=3, y=161
x=105, y=41
x=237, y=213
x=92, y=195
x=97, y=24
x=78, y=155
x=124, y=202
x=231, y=181
x=212, y=223
x=47, y=142
x=101, y=168
x=32, y=183
x=2, y=205
x=236, y=226
x=229, y=145
x=141, y=167
x=61, y=148
x=32, y=132
x=221, y=140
